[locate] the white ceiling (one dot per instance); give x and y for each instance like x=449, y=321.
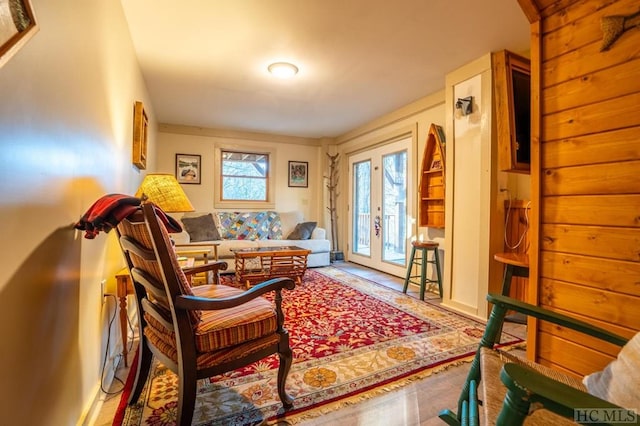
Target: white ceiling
x=205, y=61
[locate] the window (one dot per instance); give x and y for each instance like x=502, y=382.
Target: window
x=244, y=178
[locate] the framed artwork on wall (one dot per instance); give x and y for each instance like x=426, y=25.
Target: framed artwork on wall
x=188, y=168
x=299, y=174
x=140, y=126
x=17, y=26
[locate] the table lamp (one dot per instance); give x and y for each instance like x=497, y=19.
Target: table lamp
x=164, y=190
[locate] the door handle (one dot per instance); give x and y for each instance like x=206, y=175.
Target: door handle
x=377, y=225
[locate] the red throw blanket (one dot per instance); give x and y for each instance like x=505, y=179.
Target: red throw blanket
x=109, y=210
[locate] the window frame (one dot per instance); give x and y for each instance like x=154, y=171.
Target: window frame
x=219, y=203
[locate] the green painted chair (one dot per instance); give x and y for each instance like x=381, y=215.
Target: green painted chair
x=515, y=391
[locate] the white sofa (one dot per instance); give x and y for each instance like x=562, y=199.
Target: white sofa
x=278, y=225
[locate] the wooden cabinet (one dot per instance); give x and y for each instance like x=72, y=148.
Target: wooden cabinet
x=431, y=203
x=512, y=77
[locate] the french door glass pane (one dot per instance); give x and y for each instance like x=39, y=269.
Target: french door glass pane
x=394, y=207
x=362, y=208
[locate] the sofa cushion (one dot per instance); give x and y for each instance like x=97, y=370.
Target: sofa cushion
x=275, y=232
x=618, y=382
x=302, y=231
x=201, y=228
x=289, y=221
x=246, y=225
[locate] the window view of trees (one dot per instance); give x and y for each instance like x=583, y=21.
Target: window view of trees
x=244, y=176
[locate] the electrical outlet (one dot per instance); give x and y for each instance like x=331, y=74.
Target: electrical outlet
x=103, y=288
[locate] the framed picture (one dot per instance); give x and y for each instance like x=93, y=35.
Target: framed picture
x=299, y=174
x=17, y=26
x=140, y=126
x=188, y=168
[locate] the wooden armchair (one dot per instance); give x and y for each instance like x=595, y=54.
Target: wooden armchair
x=202, y=331
x=515, y=391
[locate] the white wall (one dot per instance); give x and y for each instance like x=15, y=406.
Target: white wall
x=66, y=103
x=173, y=140
x=474, y=211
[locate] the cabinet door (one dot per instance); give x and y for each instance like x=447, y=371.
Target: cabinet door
x=512, y=76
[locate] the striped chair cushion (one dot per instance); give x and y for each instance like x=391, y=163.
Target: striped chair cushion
x=225, y=327
x=208, y=359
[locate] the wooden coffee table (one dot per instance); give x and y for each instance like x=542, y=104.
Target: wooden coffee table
x=254, y=265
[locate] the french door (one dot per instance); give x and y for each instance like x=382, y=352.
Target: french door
x=379, y=226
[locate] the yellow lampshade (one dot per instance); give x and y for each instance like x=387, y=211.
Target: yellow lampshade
x=164, y=190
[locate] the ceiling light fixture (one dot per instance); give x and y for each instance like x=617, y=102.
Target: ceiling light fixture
x=283, y=69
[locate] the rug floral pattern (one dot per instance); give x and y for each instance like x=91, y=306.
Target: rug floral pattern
x=348, y=335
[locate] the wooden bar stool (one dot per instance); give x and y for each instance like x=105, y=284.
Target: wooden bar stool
x=424, y=247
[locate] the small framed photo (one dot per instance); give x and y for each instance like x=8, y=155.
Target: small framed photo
x=188, y=168
x=299, y=174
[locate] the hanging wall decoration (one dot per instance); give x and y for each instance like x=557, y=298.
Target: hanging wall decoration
x=17, y=26
x=614, y=26
x=140, y=126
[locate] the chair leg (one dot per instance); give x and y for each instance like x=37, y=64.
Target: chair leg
x=494, y=325
x=409, y=268
x=438, y=273
x=187, y=386
x=515, y=408
x=286, y=359
x=423, y=273
x=144, y=366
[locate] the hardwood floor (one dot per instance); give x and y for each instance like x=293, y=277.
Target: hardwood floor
x=415, y=404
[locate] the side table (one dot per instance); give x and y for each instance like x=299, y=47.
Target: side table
x=124, y=287
x=196, y=249
x=516, y=264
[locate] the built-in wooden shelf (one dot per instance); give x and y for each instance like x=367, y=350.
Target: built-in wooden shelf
x=431, y=205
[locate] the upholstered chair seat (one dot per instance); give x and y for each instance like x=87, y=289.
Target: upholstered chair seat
x=221, y=335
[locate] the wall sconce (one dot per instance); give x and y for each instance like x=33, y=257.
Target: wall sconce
x=465, y=105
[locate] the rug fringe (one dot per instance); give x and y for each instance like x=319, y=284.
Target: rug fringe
x=332, y=406
x=378, y=391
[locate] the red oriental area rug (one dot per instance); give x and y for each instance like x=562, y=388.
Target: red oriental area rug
x=351, y=339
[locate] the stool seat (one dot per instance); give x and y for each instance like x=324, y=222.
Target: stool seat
x=423, y=247
x=425, y=244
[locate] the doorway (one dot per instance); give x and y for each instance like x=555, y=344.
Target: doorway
x=379, y=202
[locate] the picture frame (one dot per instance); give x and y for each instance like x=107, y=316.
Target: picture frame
x=17, y=26
x=188, y=168
x=140, y=135
x=299, y=174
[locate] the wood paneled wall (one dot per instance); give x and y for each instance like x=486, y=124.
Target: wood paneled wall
x=587, y=179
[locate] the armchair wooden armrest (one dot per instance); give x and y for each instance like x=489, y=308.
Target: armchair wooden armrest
x=203, y=303
x=508, y=303
x=526, y=386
